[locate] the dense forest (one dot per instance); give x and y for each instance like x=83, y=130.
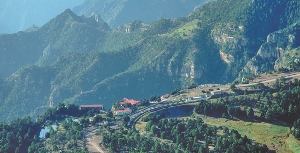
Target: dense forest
x=190, y=135
x=22, y=134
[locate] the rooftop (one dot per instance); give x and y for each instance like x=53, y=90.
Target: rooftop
x=129, y=101
x=123, y=110
x=91, y=106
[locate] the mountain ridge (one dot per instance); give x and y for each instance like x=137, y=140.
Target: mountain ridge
x=20, y=15
x=86, y=62
x=118, y=13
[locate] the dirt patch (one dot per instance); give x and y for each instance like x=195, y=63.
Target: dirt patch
x=93, y=140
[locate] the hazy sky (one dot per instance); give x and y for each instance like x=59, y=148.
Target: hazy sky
x=18, y=15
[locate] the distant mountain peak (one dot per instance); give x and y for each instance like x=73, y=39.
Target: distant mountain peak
x=69, y=13
x=68, y=17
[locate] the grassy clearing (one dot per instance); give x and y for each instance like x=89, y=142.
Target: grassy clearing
x=293, y=144
x=140, y=126
x=274, y=136
x=185, y=30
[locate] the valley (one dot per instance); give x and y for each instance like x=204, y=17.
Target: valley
x=80, y=59
x=275, y=134
x=93, y=128
x=171, y=76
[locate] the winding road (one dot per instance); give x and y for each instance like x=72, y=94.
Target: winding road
x=153, y=108
x=90, y=132
x=287, y=76
x=164, y=105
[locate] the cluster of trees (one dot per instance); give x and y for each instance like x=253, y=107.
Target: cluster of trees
x=155, y=98
x=296, y=129
x=176, y=91
x=283, y=104
x=190, y=135
x=122, y=140
x=63, y=110
x=67, y=139
x=224, y=108
x=232, y=141
x=153, y=117
x=279, y=102
x=18, y=135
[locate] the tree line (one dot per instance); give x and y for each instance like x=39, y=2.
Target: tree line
x=180, y=136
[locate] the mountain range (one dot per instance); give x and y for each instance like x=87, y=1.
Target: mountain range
x=17, y=15
x=120, y=12
x=79, y=59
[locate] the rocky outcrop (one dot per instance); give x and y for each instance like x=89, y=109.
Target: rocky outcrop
x=98, y=19
x=272, y=47
x=288, y=59
x=229, y=37
x=227, y=58
x=277, y=52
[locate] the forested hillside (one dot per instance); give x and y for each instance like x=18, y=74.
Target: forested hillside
x=81, y=60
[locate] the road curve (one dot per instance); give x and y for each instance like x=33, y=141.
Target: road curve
x=293, y=75
x=150, y=109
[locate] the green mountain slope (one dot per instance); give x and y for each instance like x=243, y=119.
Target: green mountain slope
x=80, y=60
x=67, y=32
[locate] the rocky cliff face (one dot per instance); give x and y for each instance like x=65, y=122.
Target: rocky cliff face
x=230, y=38
x=277, y=52
x=290, y=55
x=272, y=48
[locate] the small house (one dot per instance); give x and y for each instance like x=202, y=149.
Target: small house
x=129, y=101
x=124, y=111
x=165, y=96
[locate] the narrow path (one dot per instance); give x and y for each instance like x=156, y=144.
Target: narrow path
x=97, y=147
x=92, y=140
x=292, y=75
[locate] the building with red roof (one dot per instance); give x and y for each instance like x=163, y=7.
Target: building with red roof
x=129, y=101
x=124, y=111
x=165, y=96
